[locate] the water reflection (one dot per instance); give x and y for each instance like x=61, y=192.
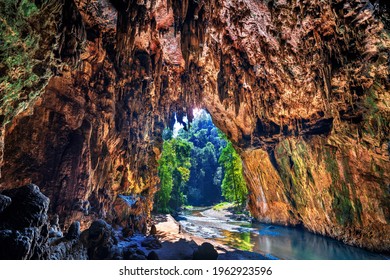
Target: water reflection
x=239, y=240
x=279, y=241
x=294, y=243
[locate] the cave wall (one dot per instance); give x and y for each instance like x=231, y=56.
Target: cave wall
x=300, y=87
x=333, y=188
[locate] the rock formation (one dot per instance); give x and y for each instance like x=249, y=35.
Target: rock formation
x=206, y=251
x=24, y=224
x=300, y=87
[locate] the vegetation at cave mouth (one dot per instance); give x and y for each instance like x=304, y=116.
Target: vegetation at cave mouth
x=199, y=167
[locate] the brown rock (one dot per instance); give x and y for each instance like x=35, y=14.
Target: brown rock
x=153, y=230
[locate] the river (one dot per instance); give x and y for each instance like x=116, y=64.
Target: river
x=272, y=240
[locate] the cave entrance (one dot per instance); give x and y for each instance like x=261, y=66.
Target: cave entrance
x=198, y=167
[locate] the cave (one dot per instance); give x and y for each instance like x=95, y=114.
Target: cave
x=300, y=88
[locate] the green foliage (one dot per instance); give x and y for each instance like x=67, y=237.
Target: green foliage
x=195, y=164
x=233, y=185
x=18, y=82
x=28, y=8
x=174, y=172
x=165, y=171
x=204, y=185
x=222, y=206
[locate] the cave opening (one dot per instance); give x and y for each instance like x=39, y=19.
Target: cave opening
x=198, y=167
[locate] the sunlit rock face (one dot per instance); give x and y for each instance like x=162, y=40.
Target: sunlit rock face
x=300, y=87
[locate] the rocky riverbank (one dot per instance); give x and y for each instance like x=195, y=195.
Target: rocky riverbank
x=179, y=244
x=27, y=232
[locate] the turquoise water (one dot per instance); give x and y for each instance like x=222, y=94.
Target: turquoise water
x=294, y=243
x=273, y=240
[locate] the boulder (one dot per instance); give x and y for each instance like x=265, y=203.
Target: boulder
x=99, y=240
x=24, y=224
x=5, y=201
x=15, y=245
x=152, y=256
x=206, y=251
x=133, y=254
x=151, y=242
x=73, y=231
x=28, y=208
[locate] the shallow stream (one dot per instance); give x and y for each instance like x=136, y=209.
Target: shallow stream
x=273, y=240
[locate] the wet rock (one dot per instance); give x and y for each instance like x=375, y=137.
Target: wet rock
x=241, y=217
x=24, y=224
x=54, y=222
x=133, y=254
x=151, y=242
x=68, y=250
x=205, y=251
x=14, y=245
x=28, y=208
x=153, y=256
x=53, y=233
x=73, y=231
x=54, y=229
x=127, y=232
x=99, y=240
x=5, y=201
x=23, y=244
x=99, y=232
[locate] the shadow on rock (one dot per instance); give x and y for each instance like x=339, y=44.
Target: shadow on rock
x=206, y=251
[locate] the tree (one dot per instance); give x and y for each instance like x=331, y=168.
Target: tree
x=173, y=170
x=181, y=173
x=200, y=167
x=166, y=165
x=233, y=184
x=204, y=185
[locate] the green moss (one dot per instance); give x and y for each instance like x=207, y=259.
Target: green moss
x=331, y=165
x=28, y=8
x=347, y=172
x=297, y=175
x=342, y=206
x=223, y=206
x=293, y=170
x=376, y=121
x=358, y=209
x=20, y=36
x=310, y=176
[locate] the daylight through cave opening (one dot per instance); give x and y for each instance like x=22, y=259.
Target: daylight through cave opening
x=198, y=167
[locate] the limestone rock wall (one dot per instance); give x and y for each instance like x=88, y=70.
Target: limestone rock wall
x=300, y=87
